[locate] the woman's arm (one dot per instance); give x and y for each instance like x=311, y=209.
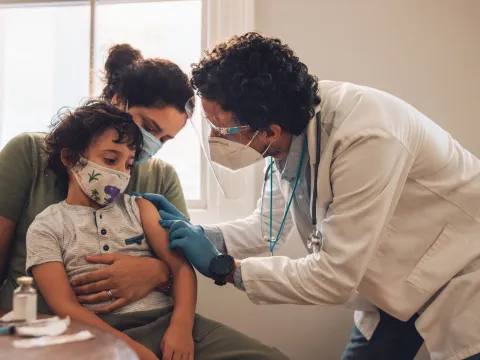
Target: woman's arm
x=185, y=282
x=52, y=282
x=17, y=161
x=7, y=229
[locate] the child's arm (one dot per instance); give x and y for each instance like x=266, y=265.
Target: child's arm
x=184, y=282
x=52, y=282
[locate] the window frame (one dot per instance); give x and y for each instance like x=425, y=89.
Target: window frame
x=200, y=203
x=220, y=19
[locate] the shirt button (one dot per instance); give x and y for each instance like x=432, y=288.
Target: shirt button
x=106, y=247
x=100, y=216
x=103, y=232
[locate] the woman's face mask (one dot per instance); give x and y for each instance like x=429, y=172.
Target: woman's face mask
x=151, y=145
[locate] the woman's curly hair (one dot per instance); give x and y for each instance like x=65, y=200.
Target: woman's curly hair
x=74, y=130
x=260, y=80
x=154, y=83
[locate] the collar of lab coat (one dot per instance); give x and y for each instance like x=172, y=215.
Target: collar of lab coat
x=311, y=132
x=289, y=167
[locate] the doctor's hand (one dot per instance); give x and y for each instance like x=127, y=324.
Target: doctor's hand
x=165, y=208
x=192, y=242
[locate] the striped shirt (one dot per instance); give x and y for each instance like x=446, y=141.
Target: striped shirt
x=67, y=233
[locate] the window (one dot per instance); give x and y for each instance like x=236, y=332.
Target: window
x=45, y=57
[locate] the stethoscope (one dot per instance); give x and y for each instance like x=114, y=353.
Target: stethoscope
x=314, y=241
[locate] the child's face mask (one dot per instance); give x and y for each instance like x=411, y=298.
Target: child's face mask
x=101, y=184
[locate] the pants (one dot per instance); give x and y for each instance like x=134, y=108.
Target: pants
x=393, y=340
x=213, y=341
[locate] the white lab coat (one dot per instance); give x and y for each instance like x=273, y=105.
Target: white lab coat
x=398, y=207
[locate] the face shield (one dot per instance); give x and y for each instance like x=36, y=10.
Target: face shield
x=226, y=145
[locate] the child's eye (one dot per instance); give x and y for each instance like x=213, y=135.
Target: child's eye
x=110, y=161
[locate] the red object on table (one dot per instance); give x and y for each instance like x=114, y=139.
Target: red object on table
x=103, y=347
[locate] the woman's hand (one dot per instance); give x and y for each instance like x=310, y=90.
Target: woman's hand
x=129, y=278
x=177, y=343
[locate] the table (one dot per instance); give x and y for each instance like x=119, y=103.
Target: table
x=103, y=347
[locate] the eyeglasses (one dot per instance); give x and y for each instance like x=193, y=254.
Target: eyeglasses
x=227, y=130
x=190, y=108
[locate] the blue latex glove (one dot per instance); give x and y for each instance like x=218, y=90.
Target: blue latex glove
x=192, y=242
x=166, y=210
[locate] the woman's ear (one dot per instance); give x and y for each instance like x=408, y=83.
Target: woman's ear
x=115, y=100
x=118, y=103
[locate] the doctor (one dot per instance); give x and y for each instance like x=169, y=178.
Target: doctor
x=386, y=200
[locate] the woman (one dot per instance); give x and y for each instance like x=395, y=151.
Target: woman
x=27, y=189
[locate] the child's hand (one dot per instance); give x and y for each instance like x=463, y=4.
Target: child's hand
x=177, y=343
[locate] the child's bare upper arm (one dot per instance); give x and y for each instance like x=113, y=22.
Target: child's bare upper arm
x=52, y=281
x=156, y=235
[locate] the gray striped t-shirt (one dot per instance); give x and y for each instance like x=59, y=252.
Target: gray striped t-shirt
x=67, y=233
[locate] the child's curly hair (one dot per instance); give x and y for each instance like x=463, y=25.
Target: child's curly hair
x=75, y=129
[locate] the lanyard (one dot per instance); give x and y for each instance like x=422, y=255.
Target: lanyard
x=289, y=203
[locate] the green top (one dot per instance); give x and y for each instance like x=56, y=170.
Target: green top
x=26, y=189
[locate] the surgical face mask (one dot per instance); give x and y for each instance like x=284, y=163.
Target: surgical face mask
x=233, y=155
x=101, y=184
x=151, y=145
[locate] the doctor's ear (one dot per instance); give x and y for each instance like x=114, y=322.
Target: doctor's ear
x=271, y=134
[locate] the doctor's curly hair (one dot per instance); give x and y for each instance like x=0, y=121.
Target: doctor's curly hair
x=260, y=80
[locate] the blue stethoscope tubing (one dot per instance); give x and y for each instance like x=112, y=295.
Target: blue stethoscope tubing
x=313, y=202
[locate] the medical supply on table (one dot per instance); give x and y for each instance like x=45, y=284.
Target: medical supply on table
x=53, y=326
x=25, y=300
x=50, y=328
x=8, y=317
x=52, y=340
x=45, y=332
x=10, y=330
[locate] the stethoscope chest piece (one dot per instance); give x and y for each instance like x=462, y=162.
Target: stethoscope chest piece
x=315, y=242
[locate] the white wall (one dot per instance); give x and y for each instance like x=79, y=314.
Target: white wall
x=424, y=51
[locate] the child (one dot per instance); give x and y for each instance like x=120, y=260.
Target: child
x=93, y=150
